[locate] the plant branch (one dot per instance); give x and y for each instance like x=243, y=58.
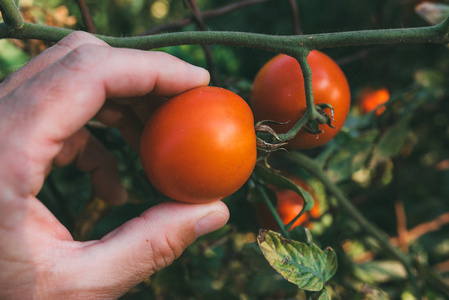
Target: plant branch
x=195, y=10
x=11, y=14
x=424, y=228
x=87, y=18
x=295, y=16
x=289, y=45
x=443, y=27
x=293, y=221
x=310, y=113
x=401, y=224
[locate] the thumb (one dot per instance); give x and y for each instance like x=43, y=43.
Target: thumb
x=148, y=243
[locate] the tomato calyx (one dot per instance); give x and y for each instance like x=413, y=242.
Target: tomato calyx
x=320, y=117
x=312, y=128
x=276, y=142
x=328, y=119
x=269, y=141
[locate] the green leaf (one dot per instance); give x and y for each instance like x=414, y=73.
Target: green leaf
x=307, y=266
x=380, y=271
x=325, y=294
x=271, y=176
x=392, y=141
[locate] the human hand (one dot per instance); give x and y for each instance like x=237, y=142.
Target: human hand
x=43, y=108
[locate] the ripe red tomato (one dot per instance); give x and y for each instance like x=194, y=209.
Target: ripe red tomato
x=371, y=99
x=278, y=95
x=289, y=206
x=199, y=146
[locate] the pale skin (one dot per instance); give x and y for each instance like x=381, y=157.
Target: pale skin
x=43, y=109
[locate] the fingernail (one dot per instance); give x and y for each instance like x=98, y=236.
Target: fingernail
x=209, y=223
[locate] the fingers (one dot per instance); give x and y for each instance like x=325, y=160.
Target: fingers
x=123, y=118
x=72, y=90
x=46, y=58
x=148, y=243
x=92, y=157
x=129, y=116
x=60, y=99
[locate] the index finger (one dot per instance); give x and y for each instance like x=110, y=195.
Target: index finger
x=70, y=92
x=59, y=100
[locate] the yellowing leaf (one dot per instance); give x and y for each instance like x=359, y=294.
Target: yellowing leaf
x=305, y=265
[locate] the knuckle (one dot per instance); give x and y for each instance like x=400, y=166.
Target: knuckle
x=84, y=57
x=165, y=253
x=163, y=56
x=77, y=38
x=165, y=248
x=73, y=41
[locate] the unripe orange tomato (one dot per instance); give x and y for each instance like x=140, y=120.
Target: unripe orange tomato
x=199, y=146
x=372, y=99
x=278, y=95
x=289, y=205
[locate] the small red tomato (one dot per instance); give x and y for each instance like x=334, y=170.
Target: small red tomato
x=278, y=94
x=289, y=205
x=199, y=146
x=371, y=99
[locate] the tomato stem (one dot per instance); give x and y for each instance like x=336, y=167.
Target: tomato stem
x=311, y=113
x=11, y=14
x=436, y=34
x=443, y=27
x=290, y=224
x=266, y=199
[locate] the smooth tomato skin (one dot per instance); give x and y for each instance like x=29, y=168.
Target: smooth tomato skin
x=278, y=94
x=199, y=146
x=289, y=205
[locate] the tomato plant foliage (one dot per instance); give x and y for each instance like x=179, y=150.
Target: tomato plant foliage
x=305, y=265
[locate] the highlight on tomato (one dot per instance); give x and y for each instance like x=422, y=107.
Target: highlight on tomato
x=289, y=205
x=199, y=146
x=278, y=95
x=373, y=99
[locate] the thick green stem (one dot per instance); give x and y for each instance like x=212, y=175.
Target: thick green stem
x=315, y=169
x=307, y=75
x=443, y=27
x=311, y=113
x=11, y=14
x=261, y=41
x=308, y=115
x=280, y=44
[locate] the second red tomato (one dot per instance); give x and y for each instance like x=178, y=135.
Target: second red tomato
x=289, y=205
x=278, y=94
